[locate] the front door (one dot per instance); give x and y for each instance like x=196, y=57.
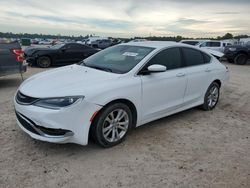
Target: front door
x=163, y=92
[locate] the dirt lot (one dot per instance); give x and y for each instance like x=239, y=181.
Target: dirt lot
x=191, y=149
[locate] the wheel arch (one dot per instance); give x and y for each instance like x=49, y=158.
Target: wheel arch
x=127, y=102
x=242, y=52
x=44, y=55
x=217, y=81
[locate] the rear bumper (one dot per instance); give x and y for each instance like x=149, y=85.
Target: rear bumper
x=23, y=67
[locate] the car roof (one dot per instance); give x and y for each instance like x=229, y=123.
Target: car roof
x=152, y=44
x=156, y=44
x=195, y=40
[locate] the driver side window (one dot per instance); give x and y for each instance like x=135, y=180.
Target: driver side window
x=171, y=58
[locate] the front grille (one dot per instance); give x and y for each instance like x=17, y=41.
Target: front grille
x=39, y=130
x=24, y=99
x=53, y=132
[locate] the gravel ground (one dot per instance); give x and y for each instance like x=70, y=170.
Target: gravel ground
x=190, y=149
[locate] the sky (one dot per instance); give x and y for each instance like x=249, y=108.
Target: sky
x=126, y=18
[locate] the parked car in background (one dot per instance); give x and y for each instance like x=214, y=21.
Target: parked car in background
x=238, y=54
x=34, y=41
x=138, y=40
x=90, y=40
x=101, y=43
x=11, y=58
x=45, y=42
x=59, y=54
x=117, y=89
x=208, y=44
x=214, y=45
x=192, y=42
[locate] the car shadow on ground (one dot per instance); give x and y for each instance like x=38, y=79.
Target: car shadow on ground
x=71, y=149
x=10, y=82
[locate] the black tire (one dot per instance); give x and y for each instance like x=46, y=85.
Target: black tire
x=241, y=59
x=230, y=60
x=44, y=62
x=97, y=127
x=206, y=105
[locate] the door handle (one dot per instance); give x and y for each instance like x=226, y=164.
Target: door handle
x=208, y=70
x=181, y=74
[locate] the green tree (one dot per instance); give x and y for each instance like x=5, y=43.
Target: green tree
x=227, y=36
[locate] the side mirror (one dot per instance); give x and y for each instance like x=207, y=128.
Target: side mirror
x=157, y=68
x=153, y=69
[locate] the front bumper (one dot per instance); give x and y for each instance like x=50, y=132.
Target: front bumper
x=67, y=125
x=30, y=60
x=230, y=55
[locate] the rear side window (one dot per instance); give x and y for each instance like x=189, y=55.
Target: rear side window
x=207, y=58
x=210, y=44
x=171, y=58
x=192, y=57
x=215, y=44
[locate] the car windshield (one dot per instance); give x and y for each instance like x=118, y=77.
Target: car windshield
x=118, y=59
x=57, y=46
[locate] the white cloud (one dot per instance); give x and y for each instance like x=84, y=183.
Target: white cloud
x=126, y=18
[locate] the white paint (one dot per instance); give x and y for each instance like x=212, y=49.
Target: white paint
x=155, y=95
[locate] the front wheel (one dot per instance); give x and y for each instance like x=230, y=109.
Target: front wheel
x=111, y=126
x=240, y=59
x=43, y=62
x=211, y=97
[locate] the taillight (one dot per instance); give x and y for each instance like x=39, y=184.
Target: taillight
x=19, y=54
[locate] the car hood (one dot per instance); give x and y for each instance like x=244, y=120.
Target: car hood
x=214, y=53
x=71, y=80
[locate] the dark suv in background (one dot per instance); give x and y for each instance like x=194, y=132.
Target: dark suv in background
x=11, y=58
x=238, y=54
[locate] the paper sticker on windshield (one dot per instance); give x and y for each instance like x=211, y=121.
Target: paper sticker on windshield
x=131, y=54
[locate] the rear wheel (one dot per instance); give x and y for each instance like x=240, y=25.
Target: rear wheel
x=111, y=126
x=240, y=59
x=211, y=97
x=44, y=62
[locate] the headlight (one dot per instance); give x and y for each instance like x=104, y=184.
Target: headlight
x=232, y=49
x=57, y=103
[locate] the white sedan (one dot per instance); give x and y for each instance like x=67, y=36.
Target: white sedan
x=117, y=89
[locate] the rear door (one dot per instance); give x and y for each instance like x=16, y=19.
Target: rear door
x=198, y=74
x=163, y=92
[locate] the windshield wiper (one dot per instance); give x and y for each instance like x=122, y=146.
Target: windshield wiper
x=95, y=67
x=99, y=68
x=82, y=63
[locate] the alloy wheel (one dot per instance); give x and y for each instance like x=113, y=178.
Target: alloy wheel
x=115, y=125
x=213, y=96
